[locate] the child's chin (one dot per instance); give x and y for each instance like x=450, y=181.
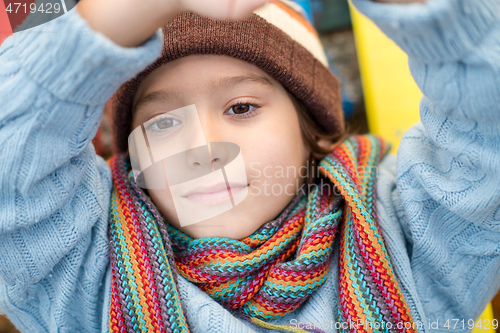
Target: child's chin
x=227, y=225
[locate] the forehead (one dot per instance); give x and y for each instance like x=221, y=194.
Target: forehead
x=196, y=72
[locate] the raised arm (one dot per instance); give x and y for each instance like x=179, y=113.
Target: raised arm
x=448, y=169
x=54, y=190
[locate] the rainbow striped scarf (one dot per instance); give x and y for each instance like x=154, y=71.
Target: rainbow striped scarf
x=269, y=273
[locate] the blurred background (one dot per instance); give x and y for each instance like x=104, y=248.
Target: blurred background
x=378, y=93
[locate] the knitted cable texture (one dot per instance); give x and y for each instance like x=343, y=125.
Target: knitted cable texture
x=269, y=273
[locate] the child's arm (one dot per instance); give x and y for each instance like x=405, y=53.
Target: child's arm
x=54, y=190
x=448, y=172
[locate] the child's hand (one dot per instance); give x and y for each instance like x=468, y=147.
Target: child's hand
x=130, y=23
x=223, y=9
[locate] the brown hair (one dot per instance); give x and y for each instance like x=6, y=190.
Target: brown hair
x=311, y=133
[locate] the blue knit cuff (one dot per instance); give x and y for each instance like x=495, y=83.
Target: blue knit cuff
x=439, y=31
x=77, y=64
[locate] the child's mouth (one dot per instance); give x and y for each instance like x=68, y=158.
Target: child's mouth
x=213, y=194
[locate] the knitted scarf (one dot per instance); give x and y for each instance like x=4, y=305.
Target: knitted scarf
x=269, y=273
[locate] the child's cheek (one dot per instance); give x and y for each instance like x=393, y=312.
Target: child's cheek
x=164, y=202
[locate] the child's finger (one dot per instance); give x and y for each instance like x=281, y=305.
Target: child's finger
x=223, y=9
x=243, y=8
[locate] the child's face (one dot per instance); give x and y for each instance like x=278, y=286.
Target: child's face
x=264, y=124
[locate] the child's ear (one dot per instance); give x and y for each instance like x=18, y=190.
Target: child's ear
x=326, y=144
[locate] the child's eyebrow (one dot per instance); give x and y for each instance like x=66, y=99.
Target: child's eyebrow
x=156, y=97
x=225, y=82
x=231, y=81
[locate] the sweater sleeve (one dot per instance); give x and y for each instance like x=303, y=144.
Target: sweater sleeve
x=448, y=166
x=54, y=190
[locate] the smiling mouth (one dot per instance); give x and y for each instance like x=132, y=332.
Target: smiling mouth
x=214, y=195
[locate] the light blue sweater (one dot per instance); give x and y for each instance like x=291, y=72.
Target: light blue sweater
x=439, y=203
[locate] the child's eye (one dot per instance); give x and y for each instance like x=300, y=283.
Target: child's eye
x=166, y=123
x=242, y=109
x=162, y=125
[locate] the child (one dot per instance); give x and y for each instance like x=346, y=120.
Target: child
x=89, y=246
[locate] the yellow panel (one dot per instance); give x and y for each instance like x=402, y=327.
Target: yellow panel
x=391, y=96
x=484, y=322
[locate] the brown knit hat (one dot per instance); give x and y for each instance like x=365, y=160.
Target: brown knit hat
x=276, y=38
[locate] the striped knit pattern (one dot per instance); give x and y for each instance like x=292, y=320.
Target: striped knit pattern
x=369, y=291
x=269, y=273
x=144, y=296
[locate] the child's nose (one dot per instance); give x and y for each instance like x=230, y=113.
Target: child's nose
x=211, y=157
x=219, y=154
x=212, y=130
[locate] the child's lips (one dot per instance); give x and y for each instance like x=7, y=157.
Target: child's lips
x=214, y=194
